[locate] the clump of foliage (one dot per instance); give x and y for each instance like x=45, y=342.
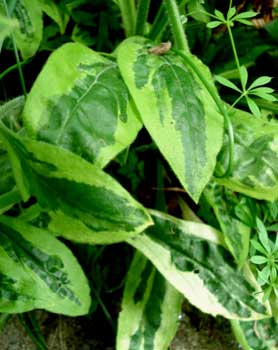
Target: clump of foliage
x=127, y=92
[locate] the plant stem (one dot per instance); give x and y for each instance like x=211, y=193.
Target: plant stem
x=234, y=51
x=22, y=81
x=128, y=13
x=176, y=25
x=221, y=108
x=142, y=16
x=13, y=67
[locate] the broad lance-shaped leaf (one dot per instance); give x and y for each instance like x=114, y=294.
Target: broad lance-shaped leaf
x=176, y=109
x=150, y=309
x=88, y=205
x=87, y=110
x=236, y=233
x=256, y=335
x=38, y=271
x=255, y=167
x=28, y=35
x=191, y=257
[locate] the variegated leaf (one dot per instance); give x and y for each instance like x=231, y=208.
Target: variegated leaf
x=28, y=34
x=236, y=233
x=176, y=109
x=256, y=335
x=255, y=167
x=87, y=110
x=93, y=206
x=150, y=309
x=192, y=258
x=38, y=271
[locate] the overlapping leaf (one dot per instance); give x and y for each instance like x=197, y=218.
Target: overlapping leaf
x=176, y=109
x=38, y=271
x=236, y=233
x=150, y=309
x=90, y=205
x=257, y=335
x=28, y=35
x=191, y=258
x=87, y=110
x=255, y=168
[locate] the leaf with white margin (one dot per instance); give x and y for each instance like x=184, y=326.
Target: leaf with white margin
x=150, y=308
x=75, y=189
x=88, y=109
x=176, y=109
x=192, y=257
x=38, y=271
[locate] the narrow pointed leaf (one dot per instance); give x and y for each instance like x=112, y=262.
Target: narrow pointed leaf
x=255, y=167
x=55, y=12
x=247, y=14
x=235, y=232
x=214, y=24
x=263, y=236
x=256, y=335
x=226, y=82
x=245, y=22
x=253, y=107
x=150, y=309
x=88, y=109
x=243, y=75
x=260, y=81
x=191, y=256
x=91, y=203
x=176, y=109
x=258, y=259
x=38, y=271
x=231, y=12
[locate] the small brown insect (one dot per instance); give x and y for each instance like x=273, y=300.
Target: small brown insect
x=161, y=49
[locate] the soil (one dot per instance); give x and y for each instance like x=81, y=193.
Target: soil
x=197, y=331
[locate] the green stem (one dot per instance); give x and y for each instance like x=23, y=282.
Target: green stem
x=142, y=16
x=128, y=13
x=13, y=67
x=22, y=81
x=234, y=52
x=159, y=23
x=221, y=108
x=176, y=25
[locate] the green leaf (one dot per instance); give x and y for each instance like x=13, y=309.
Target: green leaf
x=7, y=180
x=38, y=271
x=29, y=34
x=243, y=75
x=88, y=109
x=263, y=236
x=264, y=95
x=260, y=81
x=226, y=82
x=258, y=259
x=214, y=24
x=257, y=335
x=150, y=309
x=253, y=107
x=56, y=13
x=192, y=258
x=176, y=109
x=247, y=14
x=219, y=15
x=236, y=233
x=258, y=246
x=255, y=167
x=244, y=21
x=87, y=205
x=7, y=26
x=231, y=12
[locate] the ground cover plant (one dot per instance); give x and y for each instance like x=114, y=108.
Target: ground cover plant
x=153, y=125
